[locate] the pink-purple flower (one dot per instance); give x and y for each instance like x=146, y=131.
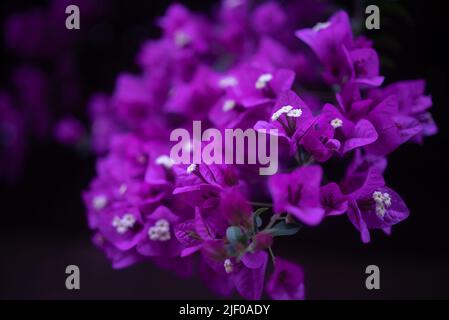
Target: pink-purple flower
x=245, y=68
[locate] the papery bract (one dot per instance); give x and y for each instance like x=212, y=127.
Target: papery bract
x=298, y=193
x=286, y=282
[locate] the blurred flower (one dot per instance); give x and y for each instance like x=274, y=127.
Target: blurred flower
x=286, y=282
x=69, y=131
x=12, y=139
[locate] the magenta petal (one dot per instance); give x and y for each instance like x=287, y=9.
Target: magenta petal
x=182, y=231
x=201, y=226
x=189, y=251
x=363, y=134
x=283, y=80
x=267, y=127
x=355, y=217
x=193, y=195
x=332, y=200
x=249, y=282
x=310, y=216
x=373, y=181
x=298, y=193
x=217, y=281
x=286, y=281
x=254, y=260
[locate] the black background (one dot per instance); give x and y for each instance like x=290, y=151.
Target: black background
x=42, y=222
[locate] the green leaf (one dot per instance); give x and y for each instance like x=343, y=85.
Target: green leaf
x=259, y=211
x=284, y=229
x=234, y=234
x=257, y=221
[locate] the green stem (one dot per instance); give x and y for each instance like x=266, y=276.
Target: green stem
x=275, y=218
x=260, y=204
x=273, y=258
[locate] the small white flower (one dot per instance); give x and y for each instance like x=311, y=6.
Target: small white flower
x=122, y=225
x=99, y=202
x=383, y=202
x=377, y=196
x=191, y=168
x=380, y=210
x=116, y=221
x=160, y=231
x=227, y=82
x=387, y=199
x=321, y=26
x=281, y=111
x=164, y=235
x=228, y=266
x=162, y=223
x=263, y=80
x=165, y=161
x=336, y=123
x=295, y=113
x=228, y=105
x=121, y=229
x=123, y=188
x=285, y=109
x=275, y=116
x=128, y=220
x=181, y=39
x=153, y=234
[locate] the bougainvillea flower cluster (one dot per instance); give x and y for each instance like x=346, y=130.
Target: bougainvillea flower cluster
x=246, y=66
